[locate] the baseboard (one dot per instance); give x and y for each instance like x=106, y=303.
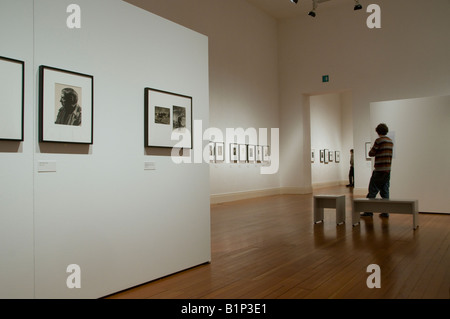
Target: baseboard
x=230, y=197
x=328, y=184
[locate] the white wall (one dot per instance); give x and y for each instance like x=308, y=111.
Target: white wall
x=16, y=162
x=121, y=224
x=420, y=168
x=243, y=78
x=406, y=58
x=330, y=125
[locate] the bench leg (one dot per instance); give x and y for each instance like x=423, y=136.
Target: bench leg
x=318, y=214
x=355, y=218
x=340, y=211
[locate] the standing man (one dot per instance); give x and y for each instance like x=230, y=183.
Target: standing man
x=351, y=173
x=380, y=180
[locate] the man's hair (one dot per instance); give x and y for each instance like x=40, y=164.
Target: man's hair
x=382, y=129
x=70, y=93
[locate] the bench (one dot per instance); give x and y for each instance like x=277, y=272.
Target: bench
x=385, y=206
x=329, y=201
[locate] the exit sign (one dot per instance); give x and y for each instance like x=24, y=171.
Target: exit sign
x=325, y=78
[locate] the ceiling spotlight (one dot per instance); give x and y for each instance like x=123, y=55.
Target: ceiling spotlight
x=358, y=6
x=294, y=1
x=312, y=13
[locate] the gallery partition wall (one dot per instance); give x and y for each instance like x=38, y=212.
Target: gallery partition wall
x=85, y=210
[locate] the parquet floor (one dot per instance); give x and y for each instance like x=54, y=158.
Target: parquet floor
x=270, y=248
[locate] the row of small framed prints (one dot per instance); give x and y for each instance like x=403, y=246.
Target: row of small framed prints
x=327, y=156
x=239, y=153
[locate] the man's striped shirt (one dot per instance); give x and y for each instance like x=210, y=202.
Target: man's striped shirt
x=382, y=150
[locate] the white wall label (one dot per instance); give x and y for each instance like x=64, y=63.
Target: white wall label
x=46, y=166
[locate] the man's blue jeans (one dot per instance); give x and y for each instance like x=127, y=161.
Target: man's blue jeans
x=379, y=183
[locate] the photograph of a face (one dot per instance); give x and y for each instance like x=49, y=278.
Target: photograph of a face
x=68, y=110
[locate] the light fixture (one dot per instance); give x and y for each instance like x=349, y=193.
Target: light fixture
x=358, y=6
x=312, y=13
x=294, y=1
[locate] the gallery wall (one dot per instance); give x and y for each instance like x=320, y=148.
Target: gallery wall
x=406, y=58
x=420, y=169
x=331, y=128
x=243, y=78
x=98, y=207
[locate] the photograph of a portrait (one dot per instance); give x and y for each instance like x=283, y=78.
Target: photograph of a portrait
x=259, y=151
x=266, y=153
x=66, y=106
x=322, y=156
x=168, y=119
x=11, y=99
x=212, y=152
x=243, y=153
x=251, y=156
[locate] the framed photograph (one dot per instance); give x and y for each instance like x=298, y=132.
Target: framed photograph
x=312, y=156
x=259, y=153
x=251, y=156
x=337, y=157
x=11, y=99
x=326, y=156
x=66, y=106
x=322, y=156
x=330, y=156
x=368, y=148
x=168, y=119
x=234, y=152
x=219, y=151
x=212, y=152
x=266, y=153
x=243, y=153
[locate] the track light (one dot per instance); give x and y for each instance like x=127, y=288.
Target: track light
x=294, y=1
x=312, y=13
x=358, y=6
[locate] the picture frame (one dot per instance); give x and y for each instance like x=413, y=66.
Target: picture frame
x=266, y=153
x=259, y=153
x=66, y=106
x=234, y=152
x=219, y=151
x=12, y=92
x=337, y=157
x=312, y=156
x=251, y=153
x=326, y=156
x=212, y=152
x=243, y=153
x=330, y=156
x=322, y=156
x=168, y=119
x=368, y=148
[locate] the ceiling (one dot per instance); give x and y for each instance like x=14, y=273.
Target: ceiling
x=281, y=9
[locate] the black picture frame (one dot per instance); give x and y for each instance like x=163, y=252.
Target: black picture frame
x=56, y=124
x=12, y=96
x=163, y=116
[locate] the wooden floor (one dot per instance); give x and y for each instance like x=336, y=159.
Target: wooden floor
x=270, y=248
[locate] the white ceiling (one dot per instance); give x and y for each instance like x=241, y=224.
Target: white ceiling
x=281, y=9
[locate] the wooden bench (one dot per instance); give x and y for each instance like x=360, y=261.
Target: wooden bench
x=329, y=201
x=385, y=206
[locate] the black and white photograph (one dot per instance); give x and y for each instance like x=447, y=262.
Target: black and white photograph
x=266, y=153
x=326, y=156
x=312, y=156
x=234, y=153
x=66, y=106
x=259, y=152
x=168, y=119
x=322, y=156
x=212, y=149
x=11, y=99
x=219, y=151
x=162, y=115
x=243, y=153
x=337, y=157
x=251, y=156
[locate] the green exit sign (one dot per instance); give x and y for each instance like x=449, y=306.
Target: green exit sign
x=325, y=78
